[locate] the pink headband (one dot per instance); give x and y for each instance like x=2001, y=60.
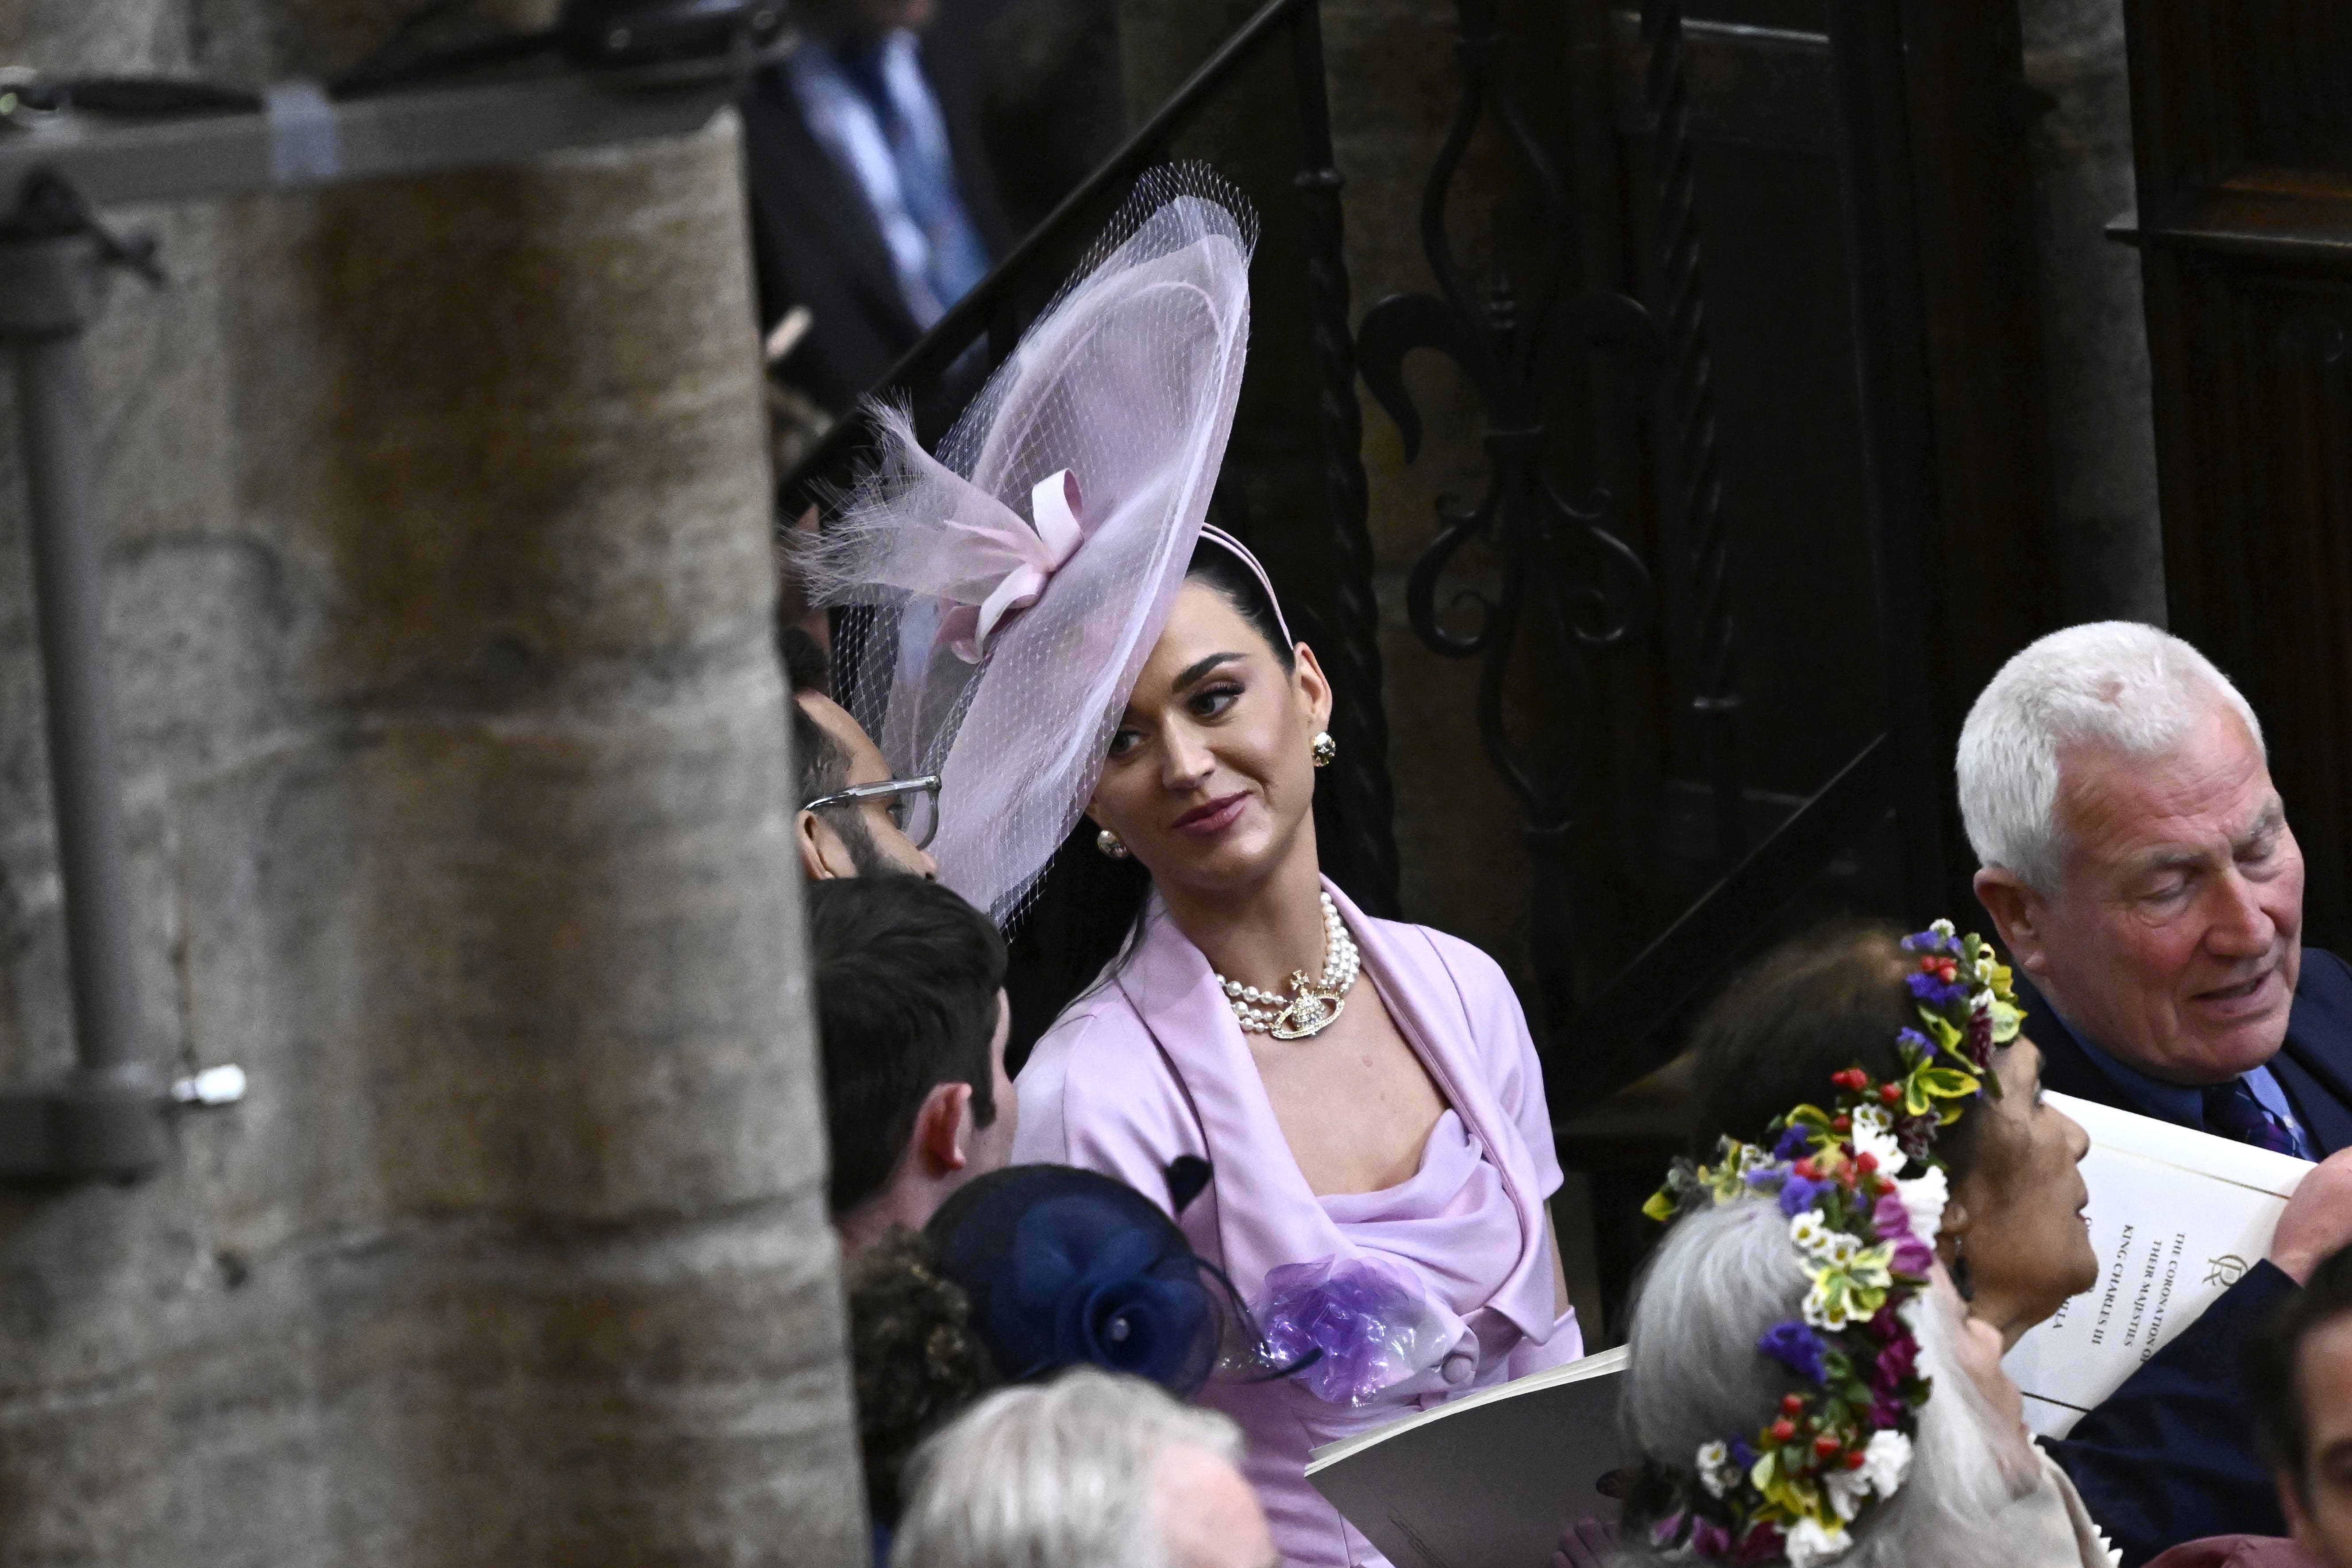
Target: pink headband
x=1211, y=532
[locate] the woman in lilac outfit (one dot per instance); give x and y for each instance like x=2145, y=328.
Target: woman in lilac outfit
x=1047, y=629
x=1401, y=1151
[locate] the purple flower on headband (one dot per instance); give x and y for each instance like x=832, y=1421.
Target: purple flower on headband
x=1934, y=993
x=1916, y=1040
x=1892, y=1220
x=1796, y=1347
x=1897, y=1360
x=1709, y=1538
x=1795, y=1145
x=1366, y=1327
x=1742, y=1455
x=1799, y=1194
x=1768, y=1178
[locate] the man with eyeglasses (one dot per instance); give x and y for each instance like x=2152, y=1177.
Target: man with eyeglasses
x=855, y=820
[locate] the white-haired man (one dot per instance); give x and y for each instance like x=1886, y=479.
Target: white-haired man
x=1087, y=1471
x=2137, y=861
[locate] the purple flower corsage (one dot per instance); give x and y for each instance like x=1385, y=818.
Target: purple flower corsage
x=1367, y=1324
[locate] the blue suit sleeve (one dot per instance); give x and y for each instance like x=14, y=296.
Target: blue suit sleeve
x=2170, y=1456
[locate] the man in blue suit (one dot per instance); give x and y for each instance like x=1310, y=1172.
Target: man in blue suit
x=2137, y=861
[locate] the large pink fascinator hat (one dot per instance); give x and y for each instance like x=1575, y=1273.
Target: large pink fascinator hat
x=1018, y=579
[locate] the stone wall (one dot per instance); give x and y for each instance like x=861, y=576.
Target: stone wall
x=440, y=594
x=2094, y=333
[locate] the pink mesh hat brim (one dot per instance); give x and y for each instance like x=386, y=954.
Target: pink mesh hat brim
x=1128, y=381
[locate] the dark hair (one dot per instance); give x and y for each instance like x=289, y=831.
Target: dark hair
x=915, y=1355
x=1219, y=568
x=2274, y=1366
x=906, y=976
x=1826, y=1002
x=822, y=763
x=1089, y=908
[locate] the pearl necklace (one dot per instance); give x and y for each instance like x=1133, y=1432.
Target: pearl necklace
x=1313, y=1005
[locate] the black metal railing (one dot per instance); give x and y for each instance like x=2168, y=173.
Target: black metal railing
x=1557, y=557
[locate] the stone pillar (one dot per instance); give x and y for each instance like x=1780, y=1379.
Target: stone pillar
x=440, y=592
x=2103, y=437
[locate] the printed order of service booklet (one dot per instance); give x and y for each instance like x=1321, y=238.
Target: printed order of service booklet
x=2175, y=1218
x=1487, y=1480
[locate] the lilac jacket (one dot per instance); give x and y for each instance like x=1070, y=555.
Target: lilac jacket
x=1151, y=1065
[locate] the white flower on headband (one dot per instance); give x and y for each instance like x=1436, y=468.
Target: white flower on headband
x=1885, y=1464
x=1873, y=1134
x=1887, y=1460
x=1810, y=1233
x=1824, y=1310
x=1809, y=1542
x=1717, y=1473
x=1924, y=1199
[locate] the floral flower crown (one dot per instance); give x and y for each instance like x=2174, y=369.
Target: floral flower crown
x=1867, y=1234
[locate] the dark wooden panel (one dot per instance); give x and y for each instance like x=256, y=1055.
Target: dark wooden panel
x=2254, y=401
x=1763, y=116
x=2242, y=116
x=2219, y=87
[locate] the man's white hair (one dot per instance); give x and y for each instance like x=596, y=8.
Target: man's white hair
x=1050, y=1476
x=2109, y=683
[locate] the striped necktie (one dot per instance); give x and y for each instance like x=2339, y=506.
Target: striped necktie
x=2231, y=1110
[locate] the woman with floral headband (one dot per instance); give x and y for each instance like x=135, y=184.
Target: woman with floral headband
x=1108, y=687
x=1802, y=1311
x=2153, y=1462
x=1892, y=1441
x=1858, y=998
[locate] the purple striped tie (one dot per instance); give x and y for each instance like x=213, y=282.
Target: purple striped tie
x=2233, y=1111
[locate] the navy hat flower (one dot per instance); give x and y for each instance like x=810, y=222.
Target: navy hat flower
x=1067, y=1268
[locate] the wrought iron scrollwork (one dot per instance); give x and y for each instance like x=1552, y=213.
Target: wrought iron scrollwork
x=1559, y=556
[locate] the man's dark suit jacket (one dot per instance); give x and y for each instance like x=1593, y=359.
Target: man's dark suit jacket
x=815, y=242
x=2171, y=1457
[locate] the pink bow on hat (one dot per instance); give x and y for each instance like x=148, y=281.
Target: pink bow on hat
x=1041, y=552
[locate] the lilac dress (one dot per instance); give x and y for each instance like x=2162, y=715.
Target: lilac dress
x=1152, y=1066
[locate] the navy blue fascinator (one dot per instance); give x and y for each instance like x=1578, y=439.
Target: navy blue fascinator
x=1067, y=1268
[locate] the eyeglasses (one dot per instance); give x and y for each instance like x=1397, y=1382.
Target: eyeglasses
x=913, y=804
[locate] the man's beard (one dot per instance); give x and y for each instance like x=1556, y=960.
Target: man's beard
x=864, y=853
